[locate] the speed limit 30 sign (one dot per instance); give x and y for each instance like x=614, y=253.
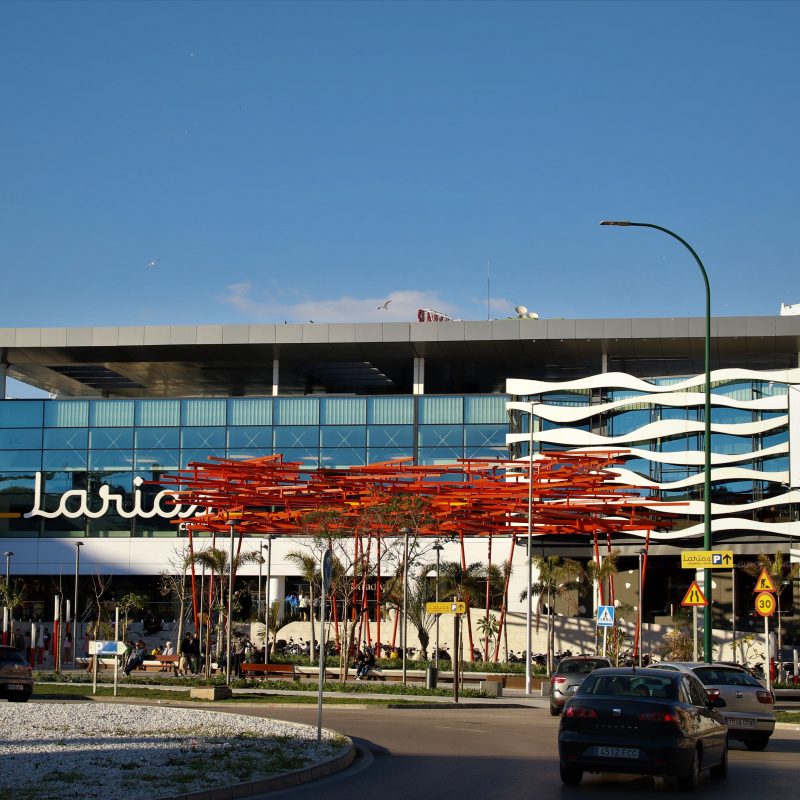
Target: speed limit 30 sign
x=765, y=604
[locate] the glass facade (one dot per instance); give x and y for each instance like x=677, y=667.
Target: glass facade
x=79, y=458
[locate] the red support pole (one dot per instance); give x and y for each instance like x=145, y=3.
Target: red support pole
x=378, y=598
x=488, y=594
x=194, y=583
x=505, y=601
x=469, y=617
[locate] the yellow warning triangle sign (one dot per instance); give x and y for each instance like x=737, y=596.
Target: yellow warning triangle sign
x=694, y=597
x=764, y=582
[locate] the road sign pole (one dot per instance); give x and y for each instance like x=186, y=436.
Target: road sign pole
x=456, y=654
x=605, y=641
x=694, y=630
x=767, y=670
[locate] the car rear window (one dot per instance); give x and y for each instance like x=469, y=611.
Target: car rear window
x=629, y=686
x=724, y=676
x=10, y=655
x=582, y=667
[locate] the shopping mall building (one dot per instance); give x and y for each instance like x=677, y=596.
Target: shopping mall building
x=129, y=404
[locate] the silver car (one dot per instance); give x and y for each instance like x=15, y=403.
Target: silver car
x=749, y=709
x=568, y=676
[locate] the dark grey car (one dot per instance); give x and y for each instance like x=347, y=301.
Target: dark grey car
x=568, y=676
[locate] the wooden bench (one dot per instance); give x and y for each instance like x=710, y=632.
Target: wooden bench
x=160, y=663
x=283, y=670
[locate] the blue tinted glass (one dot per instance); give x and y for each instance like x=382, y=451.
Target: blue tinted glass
x=21, y=413
x=343, y=410
x=441, y=435
x=376, y=455
x=730, y=416
x=486, y=452
x=673, y=413
x=344, y=436
x=151, y=413
x=307, y=456
x=390, y=436
x=156, y=459
x=439, y=455
x=731, y=445
x=770, y=440
x=732, y=492
x=250, y=436
x=21, y=460
x=296, y=436
x=20, y=438
x=111, y=413
x=157, y=437
x=63, y=460
x=203, y=438
x=56, y=483
x=250, y=411
x=201, y=456
x=491, y=409
x=203, y=412
x=109, y=438
x=441, y=410
x=340, y=457
x=297, y=411
x=628, y=421
x=486, y=435
x=66, y=413
x=113, y=460
x=242, y=453
x=775, y=464
x=680, y=444
x=390, y=410
x=66, y=438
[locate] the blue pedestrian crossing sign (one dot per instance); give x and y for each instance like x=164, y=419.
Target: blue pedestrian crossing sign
x=605, y=616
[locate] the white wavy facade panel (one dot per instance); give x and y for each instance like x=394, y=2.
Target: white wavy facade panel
x=680, y=394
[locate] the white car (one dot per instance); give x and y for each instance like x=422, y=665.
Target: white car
x=749, y=709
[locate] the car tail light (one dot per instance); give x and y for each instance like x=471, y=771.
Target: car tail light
x=659, y=716
x=713, y=694
x=558, y=679
x=580, y=712
x=767, y=698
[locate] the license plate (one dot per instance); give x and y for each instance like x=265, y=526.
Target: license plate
x=616, y=752
x=15, y=687
x=741, y=723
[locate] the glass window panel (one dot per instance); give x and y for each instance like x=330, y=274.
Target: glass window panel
x=63, y=460
x=730, y=416
x=296, y=436
x=390, y=410
x=111, y=413
x=250, y=437
x=390, y=436
x=341, y=457
x=297, y=411
x=641, y=466
x=209, y=438
x=486, y=435
x=675, y=413
x=250, y=411
x=344, y=436
x=66, y=413
x=157, y=437
x=154, y=413
x=441, y=410
x=439, y=455
x=20, y=438
x=56, y=483
x=21, y=460
x=627, y=422
x=486, y=410
x=66, y=439
x=16, y=497
x=156, y=459
x=776, y=438
x=110, y=459
x=376, y=455
x=731, y=445
x=441, y=435
x=198, y=455
x=498, y=451
x=242, y=453
x=21, y=413
x=775, y=464
x=108, y=438
x=203, y=412
x=307, y=456
x=732, y=492
x=343, y=410
x=680, y=444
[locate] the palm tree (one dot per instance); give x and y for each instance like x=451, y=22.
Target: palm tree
x=310, y=572
x=602, y=574
x=421, y=590
x=462, y=583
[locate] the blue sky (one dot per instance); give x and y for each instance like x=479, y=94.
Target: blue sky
x=308, y=161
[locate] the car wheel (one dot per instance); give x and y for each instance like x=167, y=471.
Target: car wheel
x=756, y=743
x=691, y=779
x=721, y=769
x=571, y=776
x=18, y=698
x=554, y=710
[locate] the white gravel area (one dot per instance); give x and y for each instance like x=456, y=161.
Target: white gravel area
x=110, y=751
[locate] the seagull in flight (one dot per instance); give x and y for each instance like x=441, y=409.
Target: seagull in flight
x=152, y=264
x=385, y=306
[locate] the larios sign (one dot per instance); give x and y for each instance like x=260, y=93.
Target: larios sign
x=75, y=503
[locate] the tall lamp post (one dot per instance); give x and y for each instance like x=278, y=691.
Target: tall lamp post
x=268, y=548
x=438, y=548
x=78, y=546
x=404, y=629
x=642, y=554
x=8, y=555
x=232, y=525
x=529, y=604
x=8, y=634
x=707, y=421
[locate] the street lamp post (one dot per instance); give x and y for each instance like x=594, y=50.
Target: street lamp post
x=232, y=525
x=707, y=619
x=8, y=555
x=78, y=546
x=8, y=634
x=404, y=629
x=529, y=604
x=268, y=548
x=642, y=553
x=438, y=548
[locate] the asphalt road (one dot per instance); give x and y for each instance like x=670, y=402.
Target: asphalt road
x=499, y=754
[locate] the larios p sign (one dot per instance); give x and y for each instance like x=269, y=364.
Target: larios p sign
x=75, y=503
